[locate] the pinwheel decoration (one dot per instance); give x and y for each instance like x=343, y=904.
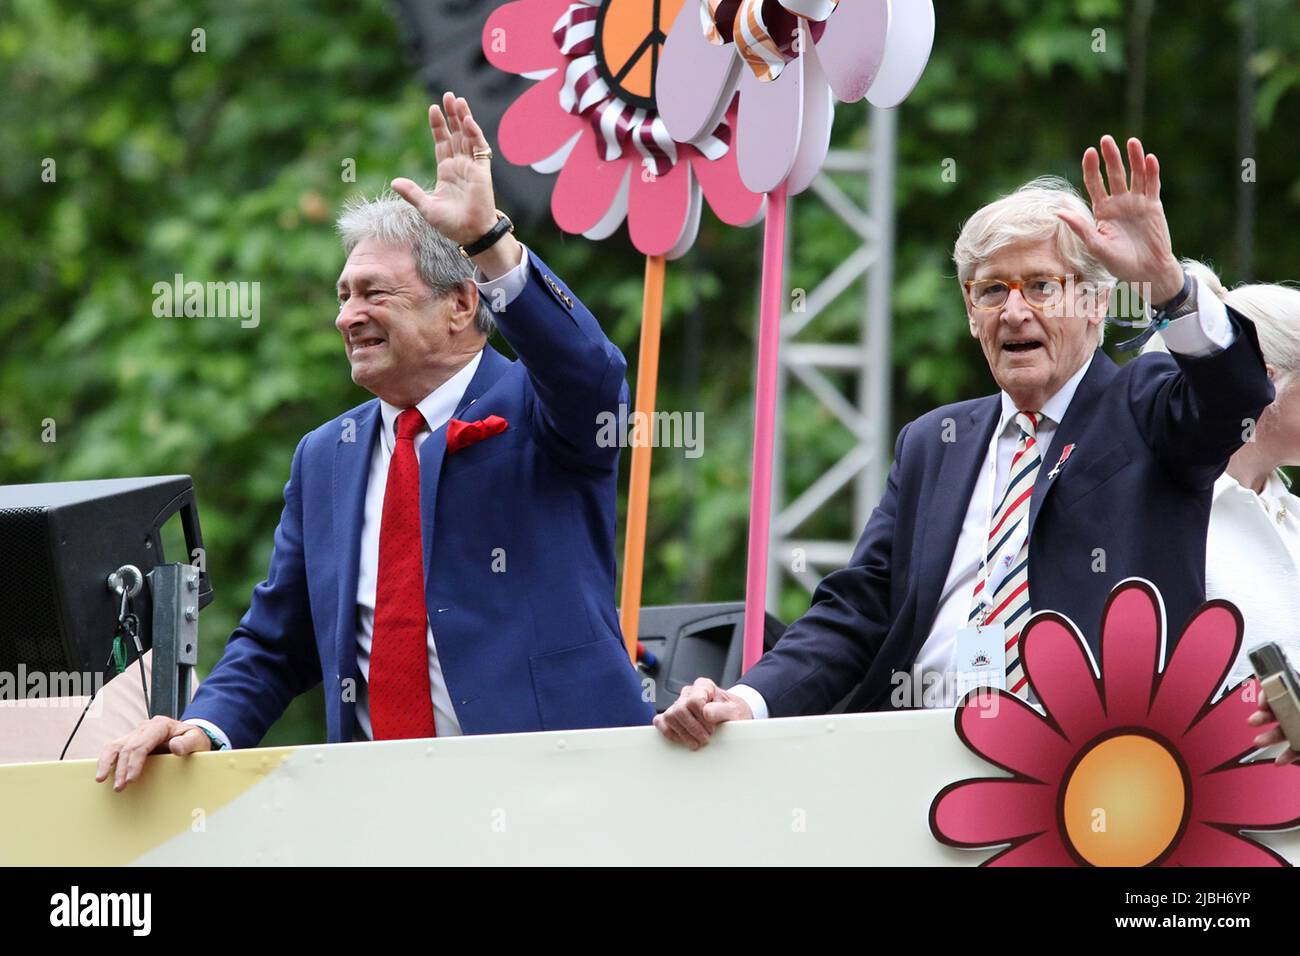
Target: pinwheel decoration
x=782, y=63
x=592, y=117
x=1132, y=763
x=789, y=60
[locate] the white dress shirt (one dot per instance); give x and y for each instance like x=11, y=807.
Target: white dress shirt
x=437, y=407
x=1197, y=334
x=1252, y=558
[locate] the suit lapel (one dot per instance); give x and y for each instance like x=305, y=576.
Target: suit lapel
x=352, y=457
x=1086, y=397
x=959, y=469
x=353, y=454
x=434, y=451
x=490, y=368
x=432, y=454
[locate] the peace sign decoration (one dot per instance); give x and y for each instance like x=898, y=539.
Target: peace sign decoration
x=593, y=118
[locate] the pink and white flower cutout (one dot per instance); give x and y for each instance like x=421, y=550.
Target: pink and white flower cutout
x=1133, y=763
x=592, y=117
x=801, y=56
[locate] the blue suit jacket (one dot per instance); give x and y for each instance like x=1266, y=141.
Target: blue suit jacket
x=534, y=647
x=1150, y=439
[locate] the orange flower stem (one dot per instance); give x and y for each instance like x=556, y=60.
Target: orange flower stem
x=638, y=492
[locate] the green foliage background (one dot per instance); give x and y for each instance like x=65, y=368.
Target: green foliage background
x=226, y=165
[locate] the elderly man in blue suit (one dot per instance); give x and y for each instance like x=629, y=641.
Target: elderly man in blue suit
x=445, y=560
x=1078, y=474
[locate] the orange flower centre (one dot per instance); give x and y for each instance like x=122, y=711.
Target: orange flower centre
x=630, y=35
x=1125, y=802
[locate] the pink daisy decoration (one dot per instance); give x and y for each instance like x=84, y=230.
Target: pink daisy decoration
x=1133, y=763
x=592, y=117
x=789, y=60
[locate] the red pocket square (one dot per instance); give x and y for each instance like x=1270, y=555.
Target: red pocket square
x=460, y=435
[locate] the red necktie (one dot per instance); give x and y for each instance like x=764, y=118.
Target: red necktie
x=400, y=703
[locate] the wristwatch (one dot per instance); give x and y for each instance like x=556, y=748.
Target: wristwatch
x=490, y=238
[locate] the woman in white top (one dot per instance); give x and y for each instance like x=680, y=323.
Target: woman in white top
x=1252, y=554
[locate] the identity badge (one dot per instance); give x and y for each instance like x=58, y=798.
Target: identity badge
x=979, y=659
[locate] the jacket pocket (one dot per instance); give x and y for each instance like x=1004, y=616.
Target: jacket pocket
x=487, y=449
x=591, y=685
x=1092, y=476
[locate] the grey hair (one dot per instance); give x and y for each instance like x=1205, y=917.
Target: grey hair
x=1275, y=310
x=1028, y=215
x=390, y=219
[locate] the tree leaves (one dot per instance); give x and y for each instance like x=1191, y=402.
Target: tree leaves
x=226, y=165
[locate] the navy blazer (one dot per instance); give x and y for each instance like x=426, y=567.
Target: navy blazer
x=1150, y=439
x=533, y=646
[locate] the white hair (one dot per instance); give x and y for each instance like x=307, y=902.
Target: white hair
x=390, y=219
x=1028, y=216
x=1275, y=311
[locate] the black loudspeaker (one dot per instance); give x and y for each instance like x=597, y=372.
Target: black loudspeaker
x=58, y=544
x=696, y=640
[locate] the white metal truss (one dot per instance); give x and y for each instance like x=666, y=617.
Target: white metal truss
x=805, y=361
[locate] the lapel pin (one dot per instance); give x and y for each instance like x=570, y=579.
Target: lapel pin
x=1065, y=454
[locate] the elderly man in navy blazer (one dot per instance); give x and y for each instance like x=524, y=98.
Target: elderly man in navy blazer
x=445, y=560
x=1078, y=474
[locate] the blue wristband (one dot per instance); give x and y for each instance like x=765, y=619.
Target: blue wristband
x=1162, y=317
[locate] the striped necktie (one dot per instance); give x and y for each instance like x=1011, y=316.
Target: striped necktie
x=1009, y=603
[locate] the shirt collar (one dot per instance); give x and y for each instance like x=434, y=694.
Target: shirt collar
x=1275, y=488
x=1055, y=407
x=438, y=406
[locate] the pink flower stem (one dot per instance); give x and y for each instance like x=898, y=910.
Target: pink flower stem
x=760, y=495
